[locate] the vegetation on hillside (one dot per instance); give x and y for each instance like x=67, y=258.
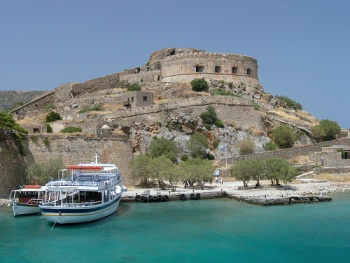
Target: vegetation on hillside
x=199, y=85
x=41, y=173
x=52, y=116
x=326, y=130
x=283, y=136
x=8, y=123
x=290, y=103
x=133, y=87
x=209, y=118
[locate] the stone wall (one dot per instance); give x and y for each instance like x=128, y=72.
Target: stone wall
x=148, y=76
x=12, y=164
x=34, y=107
x=216, y=66
x=290, y=152
x=106, y=82
x=75, y=149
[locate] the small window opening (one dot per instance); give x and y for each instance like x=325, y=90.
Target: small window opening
x=234, y=70
x=132, y=99
x=199, y=68
x=249, y=71
x=217, y=69
x=144, y=98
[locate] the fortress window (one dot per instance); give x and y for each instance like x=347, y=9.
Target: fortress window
x=217, y=69
x=248, y=71
x=234, y=70
x=199, y=68
x=144, y=98
x=132, y=99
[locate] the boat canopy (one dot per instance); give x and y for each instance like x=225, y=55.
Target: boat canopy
x=85, y=167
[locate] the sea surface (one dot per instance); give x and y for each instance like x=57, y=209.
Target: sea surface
x=220, y=230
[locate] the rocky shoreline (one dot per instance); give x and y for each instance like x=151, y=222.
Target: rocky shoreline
x=304, y=191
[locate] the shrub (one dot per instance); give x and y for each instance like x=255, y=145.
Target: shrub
x=48, y=128
x=283, y=136
x=209, y=118
x=199, y=85
x=184, y=157
x=133, y=87
x=221, y=92
x=325, y=131
x=270, y=146
x=53, y=116
x=215, y=144
x=290, y=103
x=49, y=107
x=94, y=108
x=246, y=146
x=46, y=142
x=71, y=129
x=218, y=123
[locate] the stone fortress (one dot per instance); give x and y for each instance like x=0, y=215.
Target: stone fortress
x=130, y=121
x=169, y=65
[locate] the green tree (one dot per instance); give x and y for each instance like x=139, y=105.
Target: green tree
x=246, y=146
x=173, y=175
x=196, y=170
x=52, y=116
x=140, y=168
x=326, y=130
x=279, y=169
x=197, y=145
x=41, y=173
x=8, y=123
x=242, y=170
x=258, y=171
x=199, y=85
x=163, y=147
x=283, y=136
x=158, y=168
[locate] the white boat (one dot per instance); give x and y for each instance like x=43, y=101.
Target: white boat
x=83, y=193
x=26, y=200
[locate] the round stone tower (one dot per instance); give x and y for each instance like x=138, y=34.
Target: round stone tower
x=184, y=67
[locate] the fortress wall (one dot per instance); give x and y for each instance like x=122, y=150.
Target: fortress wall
x=291, y=152
x=63, y=92
x=181, y=67
x=106, y=82
x=34, y=107
x=148, y=76
x=75, y=149
x=202, y=101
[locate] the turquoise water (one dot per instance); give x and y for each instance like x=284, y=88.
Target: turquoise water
x=220, y=230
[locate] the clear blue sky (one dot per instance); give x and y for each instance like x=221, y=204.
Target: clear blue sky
x=302, y=46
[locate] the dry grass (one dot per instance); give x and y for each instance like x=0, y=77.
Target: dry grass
x=344, y=177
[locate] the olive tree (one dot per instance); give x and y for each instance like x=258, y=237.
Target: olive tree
x=241, y=170
x=196, y=170
x=283, y=136
x=140, y=168
x=41, y=173
x=326, y=130
x=163, y=147
x=197, y=145
x=279, y=169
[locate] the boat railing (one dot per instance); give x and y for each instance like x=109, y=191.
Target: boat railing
x=84, y=204
x=91, y=183
x=34, y=201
